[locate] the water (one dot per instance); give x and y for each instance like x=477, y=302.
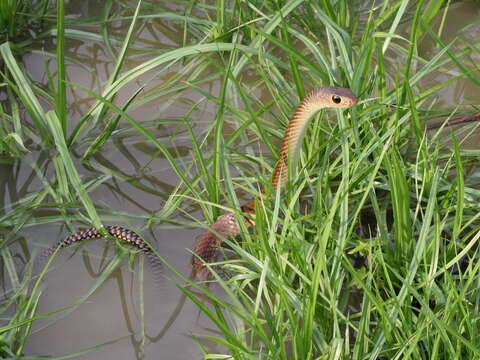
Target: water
x=143, y=183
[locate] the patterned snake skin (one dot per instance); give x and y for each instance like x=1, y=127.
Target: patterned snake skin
x=207, y=244
x=121, y=233
x=118, y=232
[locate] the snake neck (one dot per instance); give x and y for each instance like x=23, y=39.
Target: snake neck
x=293, y=136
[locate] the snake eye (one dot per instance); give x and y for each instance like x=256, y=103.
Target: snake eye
x=336, y=99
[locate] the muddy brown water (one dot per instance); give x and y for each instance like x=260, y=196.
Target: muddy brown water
x=113, y=313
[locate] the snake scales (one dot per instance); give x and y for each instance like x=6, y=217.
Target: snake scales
x=206, y=247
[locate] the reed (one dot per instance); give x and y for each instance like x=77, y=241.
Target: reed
x=368, y=253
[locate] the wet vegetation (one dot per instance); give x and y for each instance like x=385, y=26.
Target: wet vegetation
x=22, y=21
x=371, y=252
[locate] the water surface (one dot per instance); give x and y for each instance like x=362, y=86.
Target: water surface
x=147, y=317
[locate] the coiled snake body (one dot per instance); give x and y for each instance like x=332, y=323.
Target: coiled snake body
x=206, y=248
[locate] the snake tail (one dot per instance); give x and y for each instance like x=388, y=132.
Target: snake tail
x=118, y=232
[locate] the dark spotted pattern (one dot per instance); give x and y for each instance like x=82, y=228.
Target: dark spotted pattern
x=118, y=232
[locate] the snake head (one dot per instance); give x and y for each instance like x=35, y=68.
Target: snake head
x=335, y=97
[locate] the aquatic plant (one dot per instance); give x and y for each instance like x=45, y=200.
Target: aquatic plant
x=371, y=249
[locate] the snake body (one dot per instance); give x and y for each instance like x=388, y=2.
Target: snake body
x=206, y=249
x=118, y=232
x=207, y=244
x=121, y=233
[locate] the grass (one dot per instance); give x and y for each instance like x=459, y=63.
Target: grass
x=371, y=250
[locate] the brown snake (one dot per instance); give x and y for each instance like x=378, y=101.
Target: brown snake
x=206, y=248
x=207, y=244
x=226, y=225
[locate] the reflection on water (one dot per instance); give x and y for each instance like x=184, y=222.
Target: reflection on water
x=462, y=23
x=139, y=317
x=148, y=318
x=132, y=181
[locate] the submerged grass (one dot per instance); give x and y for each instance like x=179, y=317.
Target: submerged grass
x=371, y=250
x=19, y=19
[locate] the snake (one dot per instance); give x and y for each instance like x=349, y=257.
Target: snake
x=207, y=244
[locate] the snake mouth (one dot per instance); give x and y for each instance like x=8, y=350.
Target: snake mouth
x=349, y=102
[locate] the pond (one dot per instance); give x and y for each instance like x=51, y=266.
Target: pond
x=134, y=182
x=135, y=312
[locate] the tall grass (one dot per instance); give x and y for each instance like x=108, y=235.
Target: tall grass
x=378, y=190
x=370, y=250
